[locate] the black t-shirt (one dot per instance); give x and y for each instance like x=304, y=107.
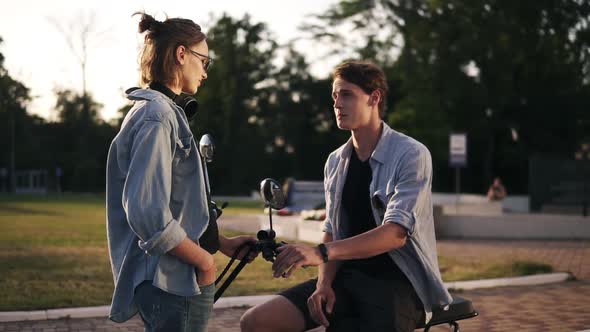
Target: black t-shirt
x=357, y=207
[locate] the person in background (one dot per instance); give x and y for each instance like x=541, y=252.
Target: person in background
x=497, y=191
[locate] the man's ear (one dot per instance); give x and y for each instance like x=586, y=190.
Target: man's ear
x=180, y=54
x=375, y=98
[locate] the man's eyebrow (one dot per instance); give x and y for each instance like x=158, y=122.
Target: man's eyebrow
x=342, y=90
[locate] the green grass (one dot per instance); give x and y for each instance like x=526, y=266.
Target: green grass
x=242, y=207
x=53, y=253
x=454, y=269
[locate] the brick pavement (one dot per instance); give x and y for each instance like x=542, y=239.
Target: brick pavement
x=556, y=307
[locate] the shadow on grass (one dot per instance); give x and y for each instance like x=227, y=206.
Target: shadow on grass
x=8, y=210
x=453, y=269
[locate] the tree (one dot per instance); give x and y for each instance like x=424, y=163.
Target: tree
x=79, y=142
x=80, y=34
x=77, y=109
x=304, y=130
x=13, y=99
x=235, y=92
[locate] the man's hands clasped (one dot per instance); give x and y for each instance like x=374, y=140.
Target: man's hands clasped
x=293, y=256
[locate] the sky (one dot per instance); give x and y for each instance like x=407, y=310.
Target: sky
x=37, y=54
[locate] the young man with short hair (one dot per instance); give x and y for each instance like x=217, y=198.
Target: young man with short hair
x=378, y=268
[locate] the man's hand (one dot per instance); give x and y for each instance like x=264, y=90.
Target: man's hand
x=228, y=246
x=294, y=256
x=315, y=303
x=206, y=277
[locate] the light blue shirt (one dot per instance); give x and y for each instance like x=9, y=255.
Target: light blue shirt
x=155, y=198
x=400, y=193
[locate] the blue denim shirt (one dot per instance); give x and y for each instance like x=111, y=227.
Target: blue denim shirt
x=155, y=198
x=400, y=193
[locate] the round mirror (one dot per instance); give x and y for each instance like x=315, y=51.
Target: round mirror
x=207, y=147
x=272, y=194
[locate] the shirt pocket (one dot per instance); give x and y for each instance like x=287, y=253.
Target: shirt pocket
x=185, y=161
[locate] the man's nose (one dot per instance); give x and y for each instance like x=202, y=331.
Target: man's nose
x=337, y=103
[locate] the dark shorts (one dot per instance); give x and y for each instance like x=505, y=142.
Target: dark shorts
x=364, y=303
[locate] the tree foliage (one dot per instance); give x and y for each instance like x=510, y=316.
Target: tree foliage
x=513, y=75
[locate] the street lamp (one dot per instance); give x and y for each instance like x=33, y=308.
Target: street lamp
x=583, y=155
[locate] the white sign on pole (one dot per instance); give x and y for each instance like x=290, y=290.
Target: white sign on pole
x=458, y=150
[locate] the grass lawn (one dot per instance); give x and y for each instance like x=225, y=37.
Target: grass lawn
x=242, y=207
x=53, y=253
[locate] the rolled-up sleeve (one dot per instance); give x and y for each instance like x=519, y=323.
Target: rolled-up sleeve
x=411, y=189
x=327, y=227
x=146, y=195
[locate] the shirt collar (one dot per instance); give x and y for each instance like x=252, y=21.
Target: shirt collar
x=146, y=94
x=379, y=154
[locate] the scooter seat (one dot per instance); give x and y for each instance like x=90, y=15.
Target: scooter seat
x=460, y=309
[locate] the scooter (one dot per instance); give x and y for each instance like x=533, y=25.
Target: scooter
x=273, y=197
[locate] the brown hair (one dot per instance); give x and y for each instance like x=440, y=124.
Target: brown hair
x=367, y=76
x=158, y=56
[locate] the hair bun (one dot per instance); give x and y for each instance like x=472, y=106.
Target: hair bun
x=147, y=22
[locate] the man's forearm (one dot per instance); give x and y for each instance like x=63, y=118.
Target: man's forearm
x=223, y=245
x=191, y=253
x=327, y=271
x=371, y=243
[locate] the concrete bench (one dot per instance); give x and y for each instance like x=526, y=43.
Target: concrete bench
x=304, y=195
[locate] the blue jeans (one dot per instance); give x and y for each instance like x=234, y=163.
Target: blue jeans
x=162, y=311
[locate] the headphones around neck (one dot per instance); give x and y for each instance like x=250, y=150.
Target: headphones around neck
x=189, y=105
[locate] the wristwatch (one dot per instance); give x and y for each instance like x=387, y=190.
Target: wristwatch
x=323, y=252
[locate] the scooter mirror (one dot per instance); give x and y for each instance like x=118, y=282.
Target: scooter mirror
x=272, y=194
x=207, y=147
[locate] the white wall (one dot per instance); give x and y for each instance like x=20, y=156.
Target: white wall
x=514, y=226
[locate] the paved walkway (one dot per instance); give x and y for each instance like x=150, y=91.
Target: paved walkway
x=557, y=307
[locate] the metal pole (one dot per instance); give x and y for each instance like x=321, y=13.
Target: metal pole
x=457, y=187
x=270, y=216
x=584, y=190
x=12, y=152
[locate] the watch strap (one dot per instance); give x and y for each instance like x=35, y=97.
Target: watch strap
x=323, y=252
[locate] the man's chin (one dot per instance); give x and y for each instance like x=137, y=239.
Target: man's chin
x=342, y=126
x=191, y=91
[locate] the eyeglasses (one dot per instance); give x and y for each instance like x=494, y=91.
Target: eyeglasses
x=208, y=60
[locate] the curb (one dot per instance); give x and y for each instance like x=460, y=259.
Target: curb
x=103, y=311
x=538, y=279
x=242, y=301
